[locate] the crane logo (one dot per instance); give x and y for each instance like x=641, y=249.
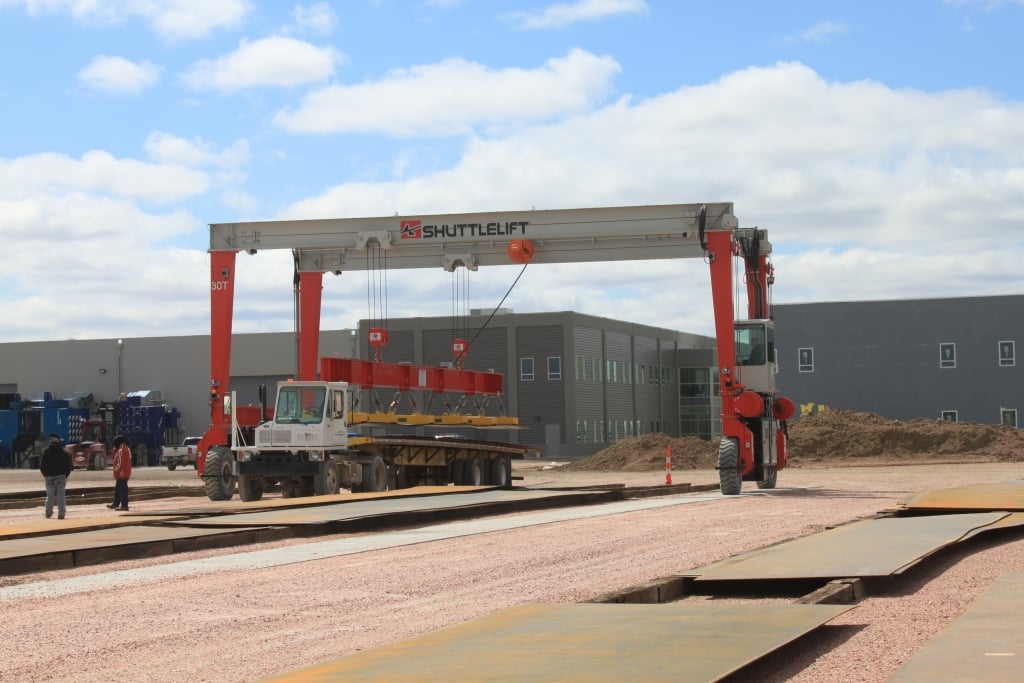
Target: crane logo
x=412, y=230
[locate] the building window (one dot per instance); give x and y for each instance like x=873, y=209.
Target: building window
x=579, y=368
x=526, y=369
x=554, y=367
x=947, y=355
x=1006, y=354
x=805, y=361
x=1008, y=417
x=597, y=370
x=949, y=416
x=581, y=431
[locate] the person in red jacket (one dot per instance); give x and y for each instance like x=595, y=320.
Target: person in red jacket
x=122, y=473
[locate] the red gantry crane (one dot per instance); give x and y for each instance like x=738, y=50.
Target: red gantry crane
x=316, y=457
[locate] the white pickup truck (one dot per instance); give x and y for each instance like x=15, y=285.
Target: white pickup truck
x=185, y=454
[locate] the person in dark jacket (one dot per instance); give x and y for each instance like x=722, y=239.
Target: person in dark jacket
x=55, y=466
x=122, y=467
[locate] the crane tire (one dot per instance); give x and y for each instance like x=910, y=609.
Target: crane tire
x=729, y=467
x=218, y=478
x=769, y=481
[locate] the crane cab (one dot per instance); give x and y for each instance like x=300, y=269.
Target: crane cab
x=755, y=355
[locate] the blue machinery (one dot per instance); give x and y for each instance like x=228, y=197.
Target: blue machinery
x=25, y=422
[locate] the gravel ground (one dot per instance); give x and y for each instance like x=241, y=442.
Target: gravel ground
x=243, y=626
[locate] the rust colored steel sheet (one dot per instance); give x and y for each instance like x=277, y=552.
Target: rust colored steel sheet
x=985, y=644
x=1007, y=496
x=44, y=527
x=60, y=551
x=875, y=547
x=354, y=509
x=584, y=643
x=238, y=507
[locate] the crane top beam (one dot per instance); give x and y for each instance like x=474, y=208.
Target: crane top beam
x=470, y=240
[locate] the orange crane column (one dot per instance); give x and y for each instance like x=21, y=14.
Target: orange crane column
x=721, y=247
x=222, y=299
x=310, y=291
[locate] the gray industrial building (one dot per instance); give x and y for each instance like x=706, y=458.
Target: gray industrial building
x=576, y=382
x=950, y=358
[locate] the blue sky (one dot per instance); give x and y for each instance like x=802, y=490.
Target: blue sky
x=880, y=143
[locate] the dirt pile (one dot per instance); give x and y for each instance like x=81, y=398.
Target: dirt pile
x=647, y=452
x=836, y=437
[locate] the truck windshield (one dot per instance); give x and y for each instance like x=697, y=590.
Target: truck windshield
x=300, y=404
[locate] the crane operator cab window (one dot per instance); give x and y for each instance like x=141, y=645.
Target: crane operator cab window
x=300, y=405
x=755, y=354
x=755, y=343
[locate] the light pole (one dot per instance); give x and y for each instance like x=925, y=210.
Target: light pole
x=120, y=368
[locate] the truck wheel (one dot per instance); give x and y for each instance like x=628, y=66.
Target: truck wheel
x=375, y=475
x=327, y=481
x=729, y=467
x=769, y=481
x=171, y=467
x=501, y=472
x=217, y=475
x=250, y=489
x=473, y=472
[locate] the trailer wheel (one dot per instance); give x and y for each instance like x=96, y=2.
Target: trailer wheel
x=289, y=488
x=172, y=466
x=473, y=472
x=769, y=481
x=729, y=467
x=328, y=480
x=501, y=472
x=250, y=489
x=375, y=475
x=218, y=478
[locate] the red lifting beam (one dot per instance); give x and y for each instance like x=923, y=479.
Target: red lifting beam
x=371, y=374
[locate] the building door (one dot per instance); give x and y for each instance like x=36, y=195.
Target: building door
x=552, y=441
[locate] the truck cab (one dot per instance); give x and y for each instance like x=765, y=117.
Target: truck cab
x=307, y=415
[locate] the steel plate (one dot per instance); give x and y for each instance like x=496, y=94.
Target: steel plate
x=876, y=547
x=584, y=643
x=985, y=644
x=976, y=497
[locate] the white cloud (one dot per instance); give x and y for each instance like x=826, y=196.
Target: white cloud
x=99, y=173
x=166, y=148
x=567, y=13
x=275, y=61
x=318, y=18
x=118, y=75
x=454, y=96
x=867, y=192
x=888, y=189
x=819, y=33
x=171, y=19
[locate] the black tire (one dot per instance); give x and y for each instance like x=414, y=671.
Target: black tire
x=375, y=475
x=328, y=480
x=473, y=474
x=729, y=467
x=500, y=472
x=172, y=467
x=769, y=481
x=250, y=489
x=218, y=478
x=289, y=489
